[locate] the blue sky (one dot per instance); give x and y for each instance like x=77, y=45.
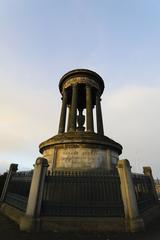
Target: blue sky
x=42, y=40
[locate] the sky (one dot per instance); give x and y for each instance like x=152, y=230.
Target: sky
x=41, y=40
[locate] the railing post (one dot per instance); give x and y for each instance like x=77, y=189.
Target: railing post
x=31, y=219
x=13, y=168
x=148, y=172
x=134, y=222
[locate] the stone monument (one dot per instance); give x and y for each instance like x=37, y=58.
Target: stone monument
x=81, y=143
x=75, y=185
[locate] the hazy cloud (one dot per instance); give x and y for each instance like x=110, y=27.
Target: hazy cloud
x=131, y=116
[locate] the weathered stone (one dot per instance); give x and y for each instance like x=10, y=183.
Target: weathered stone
x=134, y=222
x=81, y=90
x=80, y=157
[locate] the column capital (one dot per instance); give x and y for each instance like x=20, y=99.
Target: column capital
x=74, y=85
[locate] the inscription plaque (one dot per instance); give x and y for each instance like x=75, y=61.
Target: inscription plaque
x=80, y=158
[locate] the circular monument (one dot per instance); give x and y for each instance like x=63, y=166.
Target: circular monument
x=81, y=143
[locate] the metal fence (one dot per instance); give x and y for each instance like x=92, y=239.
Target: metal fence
x=144, y=191
x=2, y=182
x=80, y=193
x=18, y=189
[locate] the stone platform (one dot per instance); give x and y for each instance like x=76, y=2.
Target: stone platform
x=80, y=150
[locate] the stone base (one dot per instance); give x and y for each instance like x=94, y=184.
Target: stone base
x=134, y=225
x=80, y=150
x=76, y=224
x=151, y=214
x=63, y=224
x=29, y=224
x=11, y=212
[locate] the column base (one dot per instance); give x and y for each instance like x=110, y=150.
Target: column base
x=134, y=225
x=72, y=130
x=29, y=224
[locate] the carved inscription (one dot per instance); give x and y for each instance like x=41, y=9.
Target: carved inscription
x=80, y=158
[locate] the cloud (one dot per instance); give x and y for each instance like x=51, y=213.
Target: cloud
x=28, y=117
x=131, y=117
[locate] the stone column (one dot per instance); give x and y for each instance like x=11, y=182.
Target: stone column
x=13, y=168
x=63, y=112
x=148, y=172
x=69, y=118
x=89, y=109
x=99, y=115
x=73, y=116
x=134, y=222
x=30, y=221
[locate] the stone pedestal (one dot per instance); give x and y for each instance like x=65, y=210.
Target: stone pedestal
x=31, y=221
x=80, y=151
x=82, y=144
x=148, y=172
x=134, y=223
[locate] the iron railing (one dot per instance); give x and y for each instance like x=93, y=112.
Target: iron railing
x=82, y=193
x=144, y=191
x=18, y=189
